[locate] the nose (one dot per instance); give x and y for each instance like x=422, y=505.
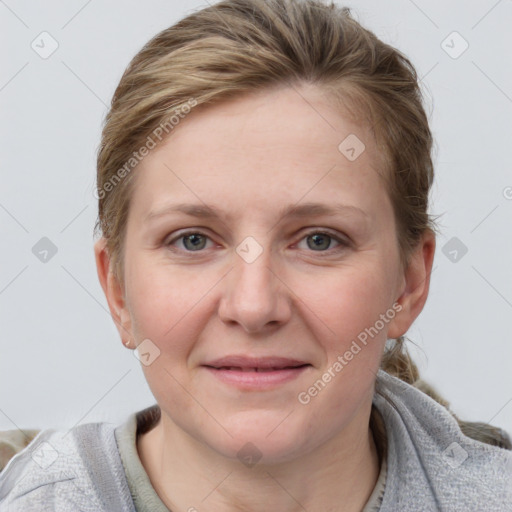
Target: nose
x=255, y=296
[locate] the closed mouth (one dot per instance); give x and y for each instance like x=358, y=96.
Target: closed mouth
x=257, y=369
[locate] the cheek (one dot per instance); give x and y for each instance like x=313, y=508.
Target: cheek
x=163, y=300
x=346, y=302
x=166, y=307
x=346, y=319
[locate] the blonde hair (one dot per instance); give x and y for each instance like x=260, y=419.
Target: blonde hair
x=238, y=46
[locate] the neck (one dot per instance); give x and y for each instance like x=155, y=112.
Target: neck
x=338, y=475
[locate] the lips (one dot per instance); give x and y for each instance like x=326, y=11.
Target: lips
x=256, y=369
x=255, y=364
x=256, y=374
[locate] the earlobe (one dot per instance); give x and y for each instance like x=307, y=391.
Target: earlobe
x=415, y=286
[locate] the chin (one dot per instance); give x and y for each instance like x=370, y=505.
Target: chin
x=262, y=443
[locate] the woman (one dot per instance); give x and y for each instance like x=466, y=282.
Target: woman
x=263, y=184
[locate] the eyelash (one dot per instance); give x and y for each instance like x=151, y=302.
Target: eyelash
x=344, y=244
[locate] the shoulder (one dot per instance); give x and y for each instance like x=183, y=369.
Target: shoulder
x=431, y=459
x=12, y=442
x=65, y=471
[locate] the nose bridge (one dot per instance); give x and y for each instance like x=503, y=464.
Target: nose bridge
x=254, y=277
x=253, y=295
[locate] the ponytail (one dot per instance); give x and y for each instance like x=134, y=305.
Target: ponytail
x=398, y=362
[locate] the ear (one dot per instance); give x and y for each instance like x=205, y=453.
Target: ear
x=113, y=290
x=415, y=286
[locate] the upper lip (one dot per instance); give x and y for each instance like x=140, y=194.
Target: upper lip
x=241, y=361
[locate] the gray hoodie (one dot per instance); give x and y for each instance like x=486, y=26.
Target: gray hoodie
x=431, y=465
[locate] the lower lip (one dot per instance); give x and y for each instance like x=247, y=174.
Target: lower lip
x=257, y=380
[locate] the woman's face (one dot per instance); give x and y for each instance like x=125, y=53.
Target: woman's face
x=257, y=279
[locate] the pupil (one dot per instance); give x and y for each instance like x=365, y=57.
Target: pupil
x=320, y=238
x=195, y=239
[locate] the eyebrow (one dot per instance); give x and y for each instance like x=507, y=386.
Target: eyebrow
x=293, y=211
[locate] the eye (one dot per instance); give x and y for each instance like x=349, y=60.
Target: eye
x=317, y=241
x=321, y=241
x=192, y=241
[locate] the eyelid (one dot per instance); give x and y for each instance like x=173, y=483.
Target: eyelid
x=334, y=234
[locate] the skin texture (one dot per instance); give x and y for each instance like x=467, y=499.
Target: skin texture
x=250, y=157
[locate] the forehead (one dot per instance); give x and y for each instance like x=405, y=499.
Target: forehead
x=261, y=150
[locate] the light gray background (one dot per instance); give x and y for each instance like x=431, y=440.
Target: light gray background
x=61, y=360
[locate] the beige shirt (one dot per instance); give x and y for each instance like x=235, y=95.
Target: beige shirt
x=144, y=495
